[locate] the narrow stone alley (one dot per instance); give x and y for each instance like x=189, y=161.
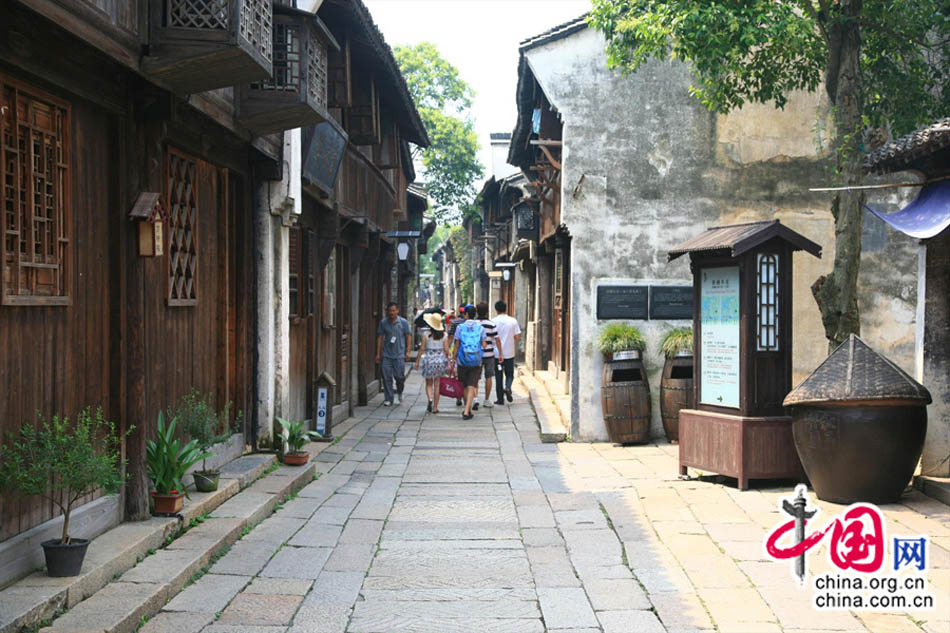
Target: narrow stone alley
x=423, y=522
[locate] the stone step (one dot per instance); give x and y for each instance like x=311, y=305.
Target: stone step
x=36, y=597
x=550, y=418
x=146, y=588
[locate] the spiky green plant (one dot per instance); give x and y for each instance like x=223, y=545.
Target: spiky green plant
x=295, y=435
x=201, y=421
x=63, y=462
x=619, y=337
x=168, y=458
x=679, y=339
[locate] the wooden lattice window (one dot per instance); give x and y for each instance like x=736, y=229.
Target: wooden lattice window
x=256, y=24
x=34, y=171
x=303, y=283
x=181, y=174
x=287, y=59
x=766, y=302
x=317, y=70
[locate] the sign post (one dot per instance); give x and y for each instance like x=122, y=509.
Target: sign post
x=323, y=407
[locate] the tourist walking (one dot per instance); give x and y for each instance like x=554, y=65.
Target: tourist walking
x=454, y=321
x=489, y=356
x=393, y=342
x=509, y=333
x=469, y=340
x=433, y=354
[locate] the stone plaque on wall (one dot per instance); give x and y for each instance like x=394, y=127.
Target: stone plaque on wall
x=622, y=302
x=671, y=302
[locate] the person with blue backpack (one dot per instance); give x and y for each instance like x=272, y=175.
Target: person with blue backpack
x=469, y=340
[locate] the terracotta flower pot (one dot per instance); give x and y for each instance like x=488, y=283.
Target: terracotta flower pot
x=168, y=504
x=297, y=458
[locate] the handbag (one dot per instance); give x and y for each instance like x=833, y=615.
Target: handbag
x=450, y=387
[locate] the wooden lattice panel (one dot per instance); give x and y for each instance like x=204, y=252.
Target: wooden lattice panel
x=287, y=57
x=182, y=208
x=256, y=25
x=198, y=14
x=34, y=171
x=317, y=70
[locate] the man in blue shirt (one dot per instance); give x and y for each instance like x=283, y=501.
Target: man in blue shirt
x=393, y=344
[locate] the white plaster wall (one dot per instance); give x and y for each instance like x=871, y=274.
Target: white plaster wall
x=646, y=166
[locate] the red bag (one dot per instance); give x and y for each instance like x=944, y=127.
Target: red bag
x=450, y=387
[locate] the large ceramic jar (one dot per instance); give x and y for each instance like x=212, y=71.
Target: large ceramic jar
x=859, y=423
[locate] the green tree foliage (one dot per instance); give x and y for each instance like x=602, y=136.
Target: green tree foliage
x=458, y=237
x=882, y=63
x=63, y=461
x=443, y=99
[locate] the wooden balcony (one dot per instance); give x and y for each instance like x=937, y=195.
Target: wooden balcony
x=198, y=45
x=364, y=191
x=296, y=95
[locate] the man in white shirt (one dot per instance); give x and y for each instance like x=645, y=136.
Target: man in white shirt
x=508, y=334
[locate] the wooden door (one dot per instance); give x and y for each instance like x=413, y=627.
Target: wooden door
x=558, y=306
x=343, y=320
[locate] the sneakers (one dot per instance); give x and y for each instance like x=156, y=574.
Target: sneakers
x=475, y=406
x=508, y=395
x=499, y=402
x=458, y=402
x=488, y=404
x=387, y=403
x=398, y=399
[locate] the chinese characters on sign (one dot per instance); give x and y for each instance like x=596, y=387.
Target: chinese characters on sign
x=719, y=336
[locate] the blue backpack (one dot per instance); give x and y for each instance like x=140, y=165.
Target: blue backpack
x=470, y=344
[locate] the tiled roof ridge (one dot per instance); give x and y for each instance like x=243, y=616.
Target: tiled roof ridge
x=563, y=29
x=906, y=147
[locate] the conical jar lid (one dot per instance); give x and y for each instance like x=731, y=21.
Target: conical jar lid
x=856, y=373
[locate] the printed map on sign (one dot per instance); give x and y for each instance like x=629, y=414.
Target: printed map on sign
x=719, y=336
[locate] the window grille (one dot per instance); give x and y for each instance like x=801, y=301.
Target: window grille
x=317, y=70
x=197, y=14
x=256, y=24
x=766, y=302
x=34, y=171
x=294, y=272
x=309, y=243
x=182, y=205
x=329, y=291
x=287, y=51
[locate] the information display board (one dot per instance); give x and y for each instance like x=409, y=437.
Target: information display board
x=622, y=302
x=719, y=336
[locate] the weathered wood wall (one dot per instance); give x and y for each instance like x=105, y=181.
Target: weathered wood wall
x=55, y=359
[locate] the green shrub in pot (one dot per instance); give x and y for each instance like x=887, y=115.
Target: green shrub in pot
x=620, y=337
x=201, y=421
x=168, y=459
x=295, y=435
x=63, y=462
x=679, y=339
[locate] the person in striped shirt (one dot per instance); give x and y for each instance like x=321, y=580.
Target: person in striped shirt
x=491, y=352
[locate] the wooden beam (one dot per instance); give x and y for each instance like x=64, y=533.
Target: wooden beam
x=547, y=153
x=545, y=142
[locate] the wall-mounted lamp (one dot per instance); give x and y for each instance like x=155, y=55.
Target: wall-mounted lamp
x=150, y=223
x=506, y=274
x=402, y=250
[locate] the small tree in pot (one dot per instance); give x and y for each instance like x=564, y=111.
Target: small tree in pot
x=620, y=337
x=201, y=422
x=295, y=436
x=676, y=385
x=63, y=462
x=168, y=459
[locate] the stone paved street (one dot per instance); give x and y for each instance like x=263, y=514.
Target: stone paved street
x=424, y=522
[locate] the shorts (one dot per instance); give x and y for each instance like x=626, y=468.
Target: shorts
x=469, y=375
x=489, y=362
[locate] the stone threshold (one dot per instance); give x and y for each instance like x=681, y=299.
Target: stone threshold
x=550, y=416
x=934, y=487
x=133, y=570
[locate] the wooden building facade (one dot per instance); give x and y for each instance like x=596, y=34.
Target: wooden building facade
x=180, y=115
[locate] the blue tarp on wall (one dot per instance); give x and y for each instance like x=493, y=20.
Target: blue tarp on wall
x=928, y=215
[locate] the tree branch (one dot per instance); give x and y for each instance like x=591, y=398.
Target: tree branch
x=814, y=15
x=900, y=35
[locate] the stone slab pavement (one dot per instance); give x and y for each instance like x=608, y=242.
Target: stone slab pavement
x=428, y=523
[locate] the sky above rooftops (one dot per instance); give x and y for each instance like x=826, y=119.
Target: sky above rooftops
x=480, y=38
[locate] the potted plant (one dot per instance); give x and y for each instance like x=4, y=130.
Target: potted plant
x=676, y=385
x=167, y=459
x=201, y=422
x=63, y=462
x=295, y=436
x=620, y=337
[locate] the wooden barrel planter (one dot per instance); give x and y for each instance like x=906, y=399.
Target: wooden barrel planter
x=676, y=392
x=859, y=424
x=625, y=397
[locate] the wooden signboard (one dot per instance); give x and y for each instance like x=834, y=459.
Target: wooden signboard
x=324, y=145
